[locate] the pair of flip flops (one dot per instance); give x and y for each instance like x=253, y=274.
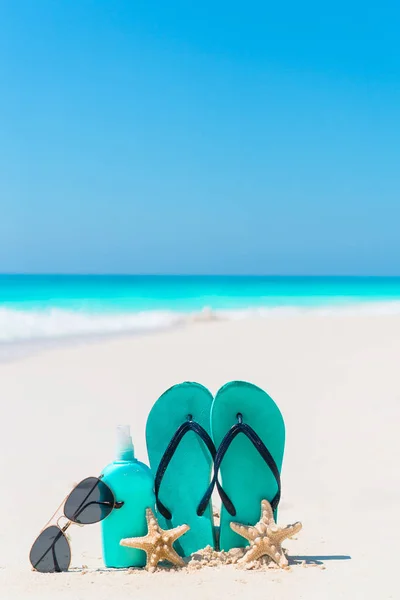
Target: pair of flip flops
x=193, y=438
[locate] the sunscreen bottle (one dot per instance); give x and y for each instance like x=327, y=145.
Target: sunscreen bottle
x=132, y=483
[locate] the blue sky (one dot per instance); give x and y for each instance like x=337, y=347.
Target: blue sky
x=199, y=137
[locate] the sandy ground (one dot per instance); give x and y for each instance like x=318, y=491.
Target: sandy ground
x=337, y=382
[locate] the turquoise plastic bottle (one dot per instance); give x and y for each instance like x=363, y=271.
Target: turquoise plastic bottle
x=132, y=483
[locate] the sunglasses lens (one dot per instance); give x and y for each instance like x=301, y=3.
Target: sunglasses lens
x=50, y=552
x=89, y=502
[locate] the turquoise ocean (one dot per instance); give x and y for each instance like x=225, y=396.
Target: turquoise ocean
x=46, y=307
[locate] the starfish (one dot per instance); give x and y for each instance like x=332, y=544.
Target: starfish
x=266, y=537
x=157, y=543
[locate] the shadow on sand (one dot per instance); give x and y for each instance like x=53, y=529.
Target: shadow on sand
x=317, y=560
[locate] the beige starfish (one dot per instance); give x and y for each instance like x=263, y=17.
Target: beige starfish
x=157, y=543
x=266, y=536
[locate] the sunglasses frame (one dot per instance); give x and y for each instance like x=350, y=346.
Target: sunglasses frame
x=63, y=529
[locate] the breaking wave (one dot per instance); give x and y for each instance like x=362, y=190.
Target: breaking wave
x=36, y=325
x=23, y=325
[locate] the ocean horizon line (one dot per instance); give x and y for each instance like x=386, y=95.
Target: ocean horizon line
x=200, y=275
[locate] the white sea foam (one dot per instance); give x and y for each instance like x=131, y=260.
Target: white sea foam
x=349, y=309
x=21, y=325
x=53, y=324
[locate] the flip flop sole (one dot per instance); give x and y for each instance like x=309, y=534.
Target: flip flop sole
x=188, y=473
x=245, y=476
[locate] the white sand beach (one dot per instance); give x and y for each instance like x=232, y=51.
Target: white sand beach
x=336, y=380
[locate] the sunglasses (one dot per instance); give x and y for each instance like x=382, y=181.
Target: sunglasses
x=90, y=501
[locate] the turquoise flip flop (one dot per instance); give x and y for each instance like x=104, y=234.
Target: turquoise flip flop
x=249, y=433
x=181, y=455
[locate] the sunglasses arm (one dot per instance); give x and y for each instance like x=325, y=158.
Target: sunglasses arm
x=115, y=505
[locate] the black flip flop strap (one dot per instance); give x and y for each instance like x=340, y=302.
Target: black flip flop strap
x=263, y=451
x=168, y=454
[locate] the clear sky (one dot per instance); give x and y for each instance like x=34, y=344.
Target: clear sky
x=200, y=137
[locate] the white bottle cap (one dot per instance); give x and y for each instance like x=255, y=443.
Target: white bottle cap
x=124, y=443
